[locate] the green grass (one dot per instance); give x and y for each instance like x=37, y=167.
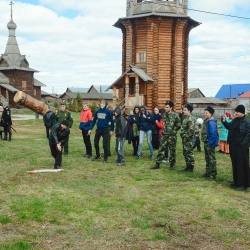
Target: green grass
x=92, y=205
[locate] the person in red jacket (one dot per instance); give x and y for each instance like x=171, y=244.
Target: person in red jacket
x=85, y=122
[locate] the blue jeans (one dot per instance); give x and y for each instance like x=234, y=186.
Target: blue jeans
x=119, y=148
x=149, y=139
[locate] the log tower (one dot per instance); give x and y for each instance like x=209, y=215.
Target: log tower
x=154, y=54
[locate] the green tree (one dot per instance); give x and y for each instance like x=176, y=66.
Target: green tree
x=56, y=104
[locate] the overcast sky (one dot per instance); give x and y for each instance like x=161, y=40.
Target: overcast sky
x=73, y=42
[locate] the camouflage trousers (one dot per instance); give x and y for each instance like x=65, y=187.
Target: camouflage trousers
x=170, y=143
x=187, y=147
x=210, y=160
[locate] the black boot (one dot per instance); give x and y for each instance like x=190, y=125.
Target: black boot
x=5, y=136
x=171, y=167
x=156, y=166
x=190, y=169
x=185, y=169
x=10, y=134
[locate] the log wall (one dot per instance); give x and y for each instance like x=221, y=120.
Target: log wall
x=165, y=42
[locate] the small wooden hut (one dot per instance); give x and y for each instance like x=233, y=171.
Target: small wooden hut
x=154, y=54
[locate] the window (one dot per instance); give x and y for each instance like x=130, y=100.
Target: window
x=141, y=57
x=23, y=85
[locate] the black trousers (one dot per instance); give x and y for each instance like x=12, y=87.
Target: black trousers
x=86, y=140
x=104, y=134
x=135, y=142
x=155, y=141
x=56, y=154
x=47, y=131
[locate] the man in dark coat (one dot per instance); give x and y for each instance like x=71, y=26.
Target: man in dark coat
x=6, y=121
x=59, y=135
x=239, y=140
x=49, y=120
x=120, y=134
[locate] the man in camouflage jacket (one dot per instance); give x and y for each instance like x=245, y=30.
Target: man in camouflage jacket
x=62, y=115
x=187, y=135
x=172, y=124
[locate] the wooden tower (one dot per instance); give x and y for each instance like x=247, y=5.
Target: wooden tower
x=154, y=54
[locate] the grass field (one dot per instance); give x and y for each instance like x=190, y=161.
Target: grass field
x=92, y=205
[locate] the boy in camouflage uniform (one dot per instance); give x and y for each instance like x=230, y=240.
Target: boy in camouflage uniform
x=172, y=124
x=63, y=115
x=187, y=135
x=210, y=137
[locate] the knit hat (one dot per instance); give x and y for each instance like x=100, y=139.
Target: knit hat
x=240, y=108
x=170, y=103
x=65, y=122
x=210, y=110
x=199, y=120
x=189, y=107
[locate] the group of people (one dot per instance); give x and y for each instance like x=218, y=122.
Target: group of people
x=160, y=129
x=6, y=122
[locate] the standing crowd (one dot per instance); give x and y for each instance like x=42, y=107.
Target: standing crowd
x=160, y=129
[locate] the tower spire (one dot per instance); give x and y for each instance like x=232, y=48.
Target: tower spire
x=11, y=10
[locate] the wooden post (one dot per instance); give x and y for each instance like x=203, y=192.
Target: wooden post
x=126, y=90
x=137, y=90
x=30, y=103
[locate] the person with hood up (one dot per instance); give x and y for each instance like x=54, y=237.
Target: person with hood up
x=59, y=135
x=120, y=134
x=49, y=120
x=134, y=129
x=85, y=122
x=239, y=142
x=210, y=137
x=144, y=122
x=102, y=117
x=6, y=121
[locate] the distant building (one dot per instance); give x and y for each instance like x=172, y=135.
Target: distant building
x=232, y=91
x=90, y=95
x=195, y=93
x=15, y=73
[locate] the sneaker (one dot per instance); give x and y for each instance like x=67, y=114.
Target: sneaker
x=97, y=158
x=87, y=156
x=241, y=188
x=117, y=161
x=165, y=160
x=105, y=160
x=210, y=177
x=121, y=164
x=138, y=157
x=151, y=157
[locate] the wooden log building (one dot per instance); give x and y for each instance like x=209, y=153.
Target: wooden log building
x=154, y=54
x=15, y=73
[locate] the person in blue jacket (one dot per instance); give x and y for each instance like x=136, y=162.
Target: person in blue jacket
x=210, y=137
x=102, y=117
x=144, y=121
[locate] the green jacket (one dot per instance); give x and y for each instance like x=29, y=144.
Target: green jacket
x=64, y=115
x=172, y=124
x=187, y=128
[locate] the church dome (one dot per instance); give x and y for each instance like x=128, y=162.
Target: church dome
x=11, y=25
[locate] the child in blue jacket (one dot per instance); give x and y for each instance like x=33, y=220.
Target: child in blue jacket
x=210, y=137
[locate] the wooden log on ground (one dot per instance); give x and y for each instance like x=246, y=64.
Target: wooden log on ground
x=31, y=103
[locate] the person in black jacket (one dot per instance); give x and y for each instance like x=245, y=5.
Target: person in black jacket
x=120, y=134
x=239, y=141
x=59, y=135
x=49, y=119
x=6, y=122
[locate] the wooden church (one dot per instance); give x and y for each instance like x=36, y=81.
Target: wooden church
x=15, y=73
x=154, y=54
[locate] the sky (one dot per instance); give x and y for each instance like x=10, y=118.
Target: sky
x=73, y=43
